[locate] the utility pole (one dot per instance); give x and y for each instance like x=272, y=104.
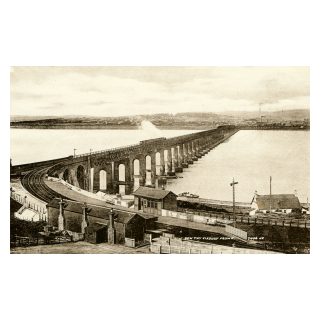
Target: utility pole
x=260, y=109
x=270, y=193
x=234, y=203
x=74, y=153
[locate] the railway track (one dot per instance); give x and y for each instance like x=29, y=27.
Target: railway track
x=34, y=183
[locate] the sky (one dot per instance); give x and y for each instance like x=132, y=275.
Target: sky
x=120, y=91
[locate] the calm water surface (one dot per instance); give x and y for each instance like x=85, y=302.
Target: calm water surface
x=251, y=157
x=31, y=145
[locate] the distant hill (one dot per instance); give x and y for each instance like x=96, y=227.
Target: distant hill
x=33, y=118
x=285, y=115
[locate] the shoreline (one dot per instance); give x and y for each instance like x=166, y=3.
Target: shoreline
x=109, y=128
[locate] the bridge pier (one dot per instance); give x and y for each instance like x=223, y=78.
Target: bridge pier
x=170, y=172
x=179, y=159
x=153, y=168
x=162, y=169
x=181, y=151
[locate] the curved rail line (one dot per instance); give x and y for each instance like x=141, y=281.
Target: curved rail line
x=34, y=183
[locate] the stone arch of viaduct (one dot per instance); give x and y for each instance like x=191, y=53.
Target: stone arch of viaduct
x=120, y=168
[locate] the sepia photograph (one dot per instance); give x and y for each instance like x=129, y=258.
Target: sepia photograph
x=160, y=160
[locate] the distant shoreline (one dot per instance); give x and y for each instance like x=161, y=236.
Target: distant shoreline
x=70, y=127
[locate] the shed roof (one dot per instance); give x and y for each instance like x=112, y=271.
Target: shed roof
x=152, y=193
x=278, y=201
x=96, y=211
x=96, y=227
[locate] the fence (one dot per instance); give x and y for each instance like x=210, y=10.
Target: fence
x=108, y=150
x=28, y=241
x=214, y=219
x=194, y=217
x=17, y=241
x=40, y=210
x=237, y=232
x=189, y=247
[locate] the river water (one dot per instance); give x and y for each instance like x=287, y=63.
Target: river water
x=251, y=157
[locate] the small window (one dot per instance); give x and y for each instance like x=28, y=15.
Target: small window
x=152, y=204
x=148, y=203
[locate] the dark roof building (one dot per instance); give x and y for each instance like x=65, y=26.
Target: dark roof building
x=151, y=200
x=77, y=216
x=96, y=233
x=279, y=202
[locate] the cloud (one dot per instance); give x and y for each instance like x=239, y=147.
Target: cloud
x=117, y=91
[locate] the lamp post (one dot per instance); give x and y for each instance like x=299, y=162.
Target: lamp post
x=234, y=203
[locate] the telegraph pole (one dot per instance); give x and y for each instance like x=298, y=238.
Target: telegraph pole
x=234, y=203
x=270, y=193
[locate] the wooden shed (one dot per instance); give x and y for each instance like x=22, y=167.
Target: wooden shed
x=96, y=233
x=150, y=200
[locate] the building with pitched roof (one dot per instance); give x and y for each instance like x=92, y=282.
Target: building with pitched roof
x=152, y=201
x=77, y=217
x=280, y=203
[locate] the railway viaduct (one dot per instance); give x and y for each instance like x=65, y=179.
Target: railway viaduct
x=148, y=163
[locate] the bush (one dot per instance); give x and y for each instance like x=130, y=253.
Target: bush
x=24, y=228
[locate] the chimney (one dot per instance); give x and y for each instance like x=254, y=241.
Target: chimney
x=84, y=222
x=111, y=232
x=61, y=225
